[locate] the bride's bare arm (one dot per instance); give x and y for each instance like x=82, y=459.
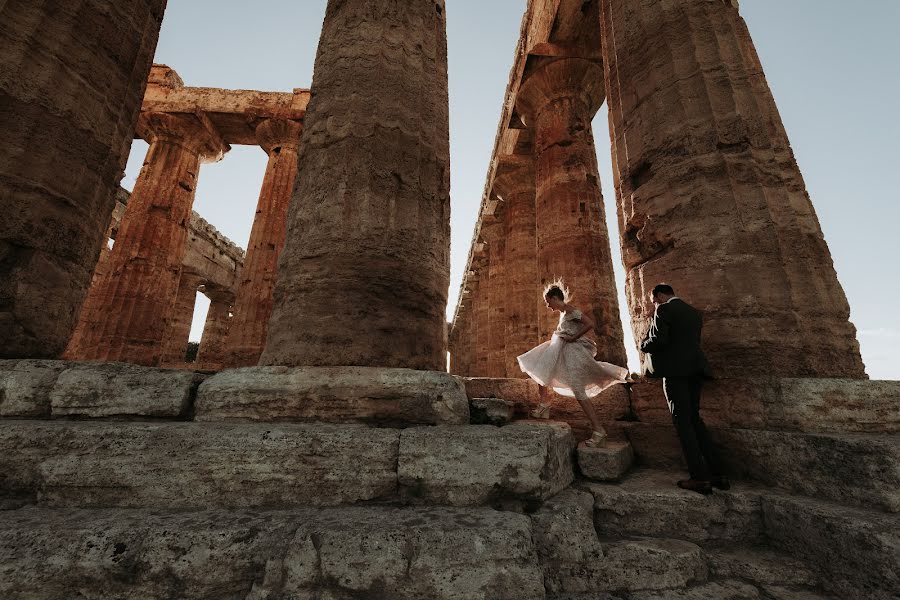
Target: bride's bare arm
x=586, y=325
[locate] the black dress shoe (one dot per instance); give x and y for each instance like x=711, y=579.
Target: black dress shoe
x=721, y=483
x=696, y=485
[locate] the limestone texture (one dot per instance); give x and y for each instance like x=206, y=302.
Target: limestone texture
x=605, y=463
x=333, y=394
x=342, y=553
x=710, y=197
x=482, y=463
x=25, y=386
x=490, y=411
x=71, y=81
x=215, y=329
x=181, y=317
x=132, y=312
x=363, y=276
x=118, y=390
x=280, y=138
x=558, y=101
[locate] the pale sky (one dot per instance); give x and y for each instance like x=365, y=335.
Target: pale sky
x=831, y=65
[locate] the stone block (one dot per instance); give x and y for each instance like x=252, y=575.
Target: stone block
x=525, y=393
x=655, y=446
x=648, y=401
x=373, y=395
x=25, y=386
x=110, y=390
x=840, y=405
x=481, y=463
x=194, y=466
x=648, y=503
x=861, y=469
x=761, y=566
x=605, y=463
x=855, y=553
x=490, y=411
x=610, y=405
x=303, y=554
x=720, y=590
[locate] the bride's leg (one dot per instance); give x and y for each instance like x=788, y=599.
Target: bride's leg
x=588, y=408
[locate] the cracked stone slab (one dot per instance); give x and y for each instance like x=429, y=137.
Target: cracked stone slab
x=25, y=386
x=372, y=395
x=120, y=390
x=605, y=463
x=481, y=463
x=306, y=554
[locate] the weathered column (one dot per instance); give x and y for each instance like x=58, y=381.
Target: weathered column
x=558, y=101
x=364, y=274
x=131, y=312
x=247, y=336
x=481, y=323
x=181, y=317
x=514, y=182
x=69, y=99
x=462, y=341
x=710, y=197
x=493, y=232
x=215, y=330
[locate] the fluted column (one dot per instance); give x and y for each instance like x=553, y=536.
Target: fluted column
x=710, y=197
x=68, y=104
x=514, y=183
x=558, y=101
x=493, y=231
x=481, y=324
x=215, y=330
x=181, y=317
x=368, y=236
x=131, y=313
x=462, y=341
x=247, y=336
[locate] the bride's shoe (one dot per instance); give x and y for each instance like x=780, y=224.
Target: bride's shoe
x=541, y=412
x=597, y=439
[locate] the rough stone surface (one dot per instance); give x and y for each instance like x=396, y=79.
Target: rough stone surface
x=121, y=390
x=25, y=386
x=71, y=81
x=655, y=446
x=857, y=553
x=215, y=329
x=710, y=197
x=363, y=552
x=857, y=469
x=482, y=463
x=190, y=465
x=648, y=503
x=368, y=235
x=333, y=394
x=490, y=411
x=761, y=566
x=605, y=463
x=725, y=590
x=574, y=560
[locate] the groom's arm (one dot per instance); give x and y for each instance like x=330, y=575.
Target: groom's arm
x=658, y=336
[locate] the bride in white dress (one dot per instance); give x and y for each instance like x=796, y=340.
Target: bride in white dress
x=566, y=362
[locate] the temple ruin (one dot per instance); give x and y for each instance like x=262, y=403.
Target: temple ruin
x=303, y=458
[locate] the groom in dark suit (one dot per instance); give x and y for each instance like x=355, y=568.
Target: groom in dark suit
x=673, y=344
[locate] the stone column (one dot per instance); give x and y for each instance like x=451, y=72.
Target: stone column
x=69, y=99
x=514, y=182
x=215, y=330
x=364, y=275
x=493, y=232
x=280, y=139
x=558, y=101
x=181, y=317
x=131, y=312
x=710, y=197
x=462, y=341
x=481, y=323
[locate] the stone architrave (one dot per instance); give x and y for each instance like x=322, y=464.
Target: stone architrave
x=514, y=183
x=181, y=317
x=69, y=99
x=130, y=316
x=493, y=233
x=710, y=197
x=215, y=330
x=280, y=138
x=364, y=274
x=558, y=101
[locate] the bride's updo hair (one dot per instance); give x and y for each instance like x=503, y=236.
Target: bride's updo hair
x=557, y=289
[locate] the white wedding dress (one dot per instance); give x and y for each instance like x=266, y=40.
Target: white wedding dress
x=568, y=366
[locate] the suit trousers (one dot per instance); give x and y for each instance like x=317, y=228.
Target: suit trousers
x=683, y=397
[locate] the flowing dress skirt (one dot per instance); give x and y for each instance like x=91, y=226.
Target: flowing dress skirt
x=565, y=366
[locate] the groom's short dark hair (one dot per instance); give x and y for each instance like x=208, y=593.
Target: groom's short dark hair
x=663, y=289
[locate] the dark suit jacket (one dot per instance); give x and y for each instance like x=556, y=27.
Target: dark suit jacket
x=674, y=341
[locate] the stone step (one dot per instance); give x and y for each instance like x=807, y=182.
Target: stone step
x=205, y=465
x=305, y=554
x=761, y=565
x=860, y=469
x=609, y=462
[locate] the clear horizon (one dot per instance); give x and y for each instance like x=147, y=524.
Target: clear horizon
x=830, y=65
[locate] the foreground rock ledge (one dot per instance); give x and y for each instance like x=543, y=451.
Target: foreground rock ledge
x=372, y=395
